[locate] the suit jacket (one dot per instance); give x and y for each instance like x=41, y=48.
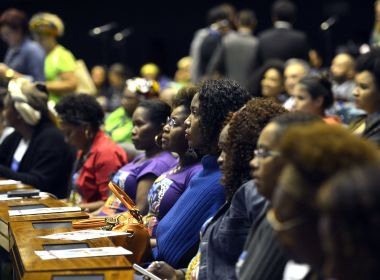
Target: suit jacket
x=47, y=163
x=235, y=57
x=282, y=43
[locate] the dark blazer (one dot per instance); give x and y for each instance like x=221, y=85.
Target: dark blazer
x=47, y=163
x=282, y=43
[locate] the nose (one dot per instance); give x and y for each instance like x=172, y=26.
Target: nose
x=134, y=131
x=187, y=122
x=166, y=128
x=355, y=91
x=220, y=159
x=254, y=163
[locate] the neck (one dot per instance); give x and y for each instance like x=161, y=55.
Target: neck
x=50, y=47
x=186, y=160
x=26, y=131
x=245, y=30
x=152, y=152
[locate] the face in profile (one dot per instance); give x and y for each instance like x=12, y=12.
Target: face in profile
x=129, y=101
x=366, y=93
x=173, y=136
x=193, y=129
x=74, y=134
x=266, y=164
x=144, y=130
x=303, y=101
x=223, y=137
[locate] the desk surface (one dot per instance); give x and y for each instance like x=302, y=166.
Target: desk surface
x=26, y=241
x=48, y=201
x=7, y=188
x=107, y=274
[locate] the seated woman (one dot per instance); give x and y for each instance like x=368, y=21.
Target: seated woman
x=367, y=95
x=313, y=95
x=310, y=161
x=349, y=225
x=171, y=184
x=98, y=157
x=137, y=177
x=177, y=233
x=268, y=81
x=224, y=235
x=118, y=124
x=36, y=152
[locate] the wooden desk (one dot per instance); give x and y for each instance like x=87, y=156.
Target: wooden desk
x=47, y=202
x=7, y=188
x=27, y=265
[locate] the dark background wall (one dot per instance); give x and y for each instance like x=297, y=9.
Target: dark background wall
x=162, y=30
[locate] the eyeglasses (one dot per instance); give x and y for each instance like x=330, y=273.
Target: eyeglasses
x=171, y=122
x=264, y=153
x=283, y=226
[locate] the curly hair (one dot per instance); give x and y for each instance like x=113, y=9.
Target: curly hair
x=216, y=99
x=184, y=97
x=80, y=109
x=351, y=200
x=243, y=133
x=318, y=151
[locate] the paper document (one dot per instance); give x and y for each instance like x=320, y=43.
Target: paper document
x=9, y=182
x=82, y=253
x=43, y=211
x=83, y=234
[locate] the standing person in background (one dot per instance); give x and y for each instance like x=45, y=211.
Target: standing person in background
x=99, y=77
x=97, y=158
x=23, y=57
x=374, y=40
x=235, y=57
x=60, y=63
x=282, y=41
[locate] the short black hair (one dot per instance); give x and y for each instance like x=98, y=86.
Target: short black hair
x=184, y=97
x=80, y=109
x=15, y=19
x=284, y=10
x=318, y=86
x=158, y=110
x=370, y=62
x=216, y=99
x=247, y=18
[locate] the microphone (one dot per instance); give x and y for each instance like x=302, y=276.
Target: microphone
x=102, y=29
x=326, y=25
x=119, y=36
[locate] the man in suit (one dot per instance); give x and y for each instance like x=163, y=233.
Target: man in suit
x=282, y=41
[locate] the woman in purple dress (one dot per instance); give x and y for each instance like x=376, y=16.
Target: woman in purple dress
x=170, y=185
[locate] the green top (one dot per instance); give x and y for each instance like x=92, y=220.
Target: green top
x=118, y=126
x=58, y=61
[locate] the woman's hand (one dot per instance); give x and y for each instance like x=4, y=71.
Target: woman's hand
x=162, y=270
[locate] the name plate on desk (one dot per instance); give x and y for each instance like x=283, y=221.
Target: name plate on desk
x=43, y=211
x=27, y=207
x=51, y=225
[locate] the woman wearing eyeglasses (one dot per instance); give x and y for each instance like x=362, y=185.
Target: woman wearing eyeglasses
x=310, y=161
x=168, y=187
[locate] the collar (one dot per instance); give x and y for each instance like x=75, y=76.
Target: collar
x=210, y=162
x=282, y=24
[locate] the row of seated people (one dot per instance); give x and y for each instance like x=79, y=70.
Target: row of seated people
x=200, y=117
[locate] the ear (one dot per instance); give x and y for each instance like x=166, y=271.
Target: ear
x=319, y=102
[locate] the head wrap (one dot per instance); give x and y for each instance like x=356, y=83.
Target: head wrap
x=144, y=87
x=30, y=115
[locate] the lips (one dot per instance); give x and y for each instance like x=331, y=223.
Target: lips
x=187, y=134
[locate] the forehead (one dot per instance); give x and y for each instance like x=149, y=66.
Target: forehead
x=178, y=111
x=272, y=72
x=195, y=101
x=365, y=77
x=224, y=134
x=140, y=113
x=268, y=136
x=294, y=70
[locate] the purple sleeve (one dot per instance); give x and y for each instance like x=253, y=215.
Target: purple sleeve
x=155, y=167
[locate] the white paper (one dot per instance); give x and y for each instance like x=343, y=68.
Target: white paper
x=81, y=235
x=9, y=182
x=4, y=197
x=43, y=211
x=83, y=253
